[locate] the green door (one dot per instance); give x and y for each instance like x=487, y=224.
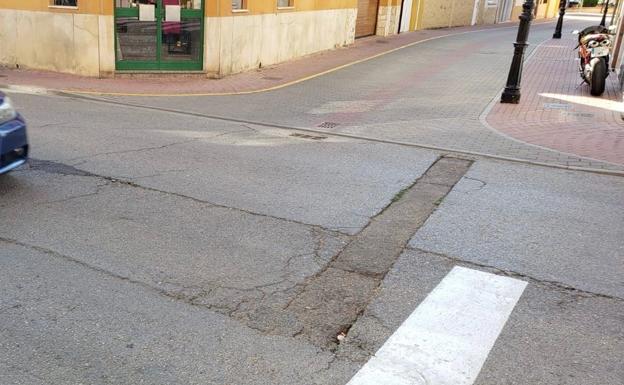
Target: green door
x=166, y=35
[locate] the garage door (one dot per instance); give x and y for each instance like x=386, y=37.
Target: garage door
x=366, y=18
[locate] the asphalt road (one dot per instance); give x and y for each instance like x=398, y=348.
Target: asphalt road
x=143, y=246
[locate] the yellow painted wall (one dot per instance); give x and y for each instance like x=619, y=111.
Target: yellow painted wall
x=445, y=13
x=543, y=11
x=553, y=8
x=95, y=7
x=213, y=7
x=259, y=7
x=81, y=40
x=417, y=7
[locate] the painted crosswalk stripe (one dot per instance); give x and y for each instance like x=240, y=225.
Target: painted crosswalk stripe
x=446, y=340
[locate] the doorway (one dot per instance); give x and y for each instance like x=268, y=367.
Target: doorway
x=366, y=21
x=166, y=35
x=475, y=12
x=504, y=11
x=406, y=16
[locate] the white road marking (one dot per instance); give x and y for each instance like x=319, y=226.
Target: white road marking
x=446, y=340
x=30, y=90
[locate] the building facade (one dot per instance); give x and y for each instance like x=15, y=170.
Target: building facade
x=617, y=60
x=215, y=37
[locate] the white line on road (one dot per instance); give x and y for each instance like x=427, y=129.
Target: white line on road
x=446, y=340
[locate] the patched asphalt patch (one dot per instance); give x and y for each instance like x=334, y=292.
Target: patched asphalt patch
x=330, y=302
x=56, y=168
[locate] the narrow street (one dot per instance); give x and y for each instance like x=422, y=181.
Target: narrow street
x=283, y=237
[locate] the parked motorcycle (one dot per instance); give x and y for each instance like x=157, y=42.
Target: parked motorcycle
x=594, y=50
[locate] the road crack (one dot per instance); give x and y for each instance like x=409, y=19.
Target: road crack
x=55, y=167
x=549, y=284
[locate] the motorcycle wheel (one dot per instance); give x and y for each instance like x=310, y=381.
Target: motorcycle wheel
x=598, y=80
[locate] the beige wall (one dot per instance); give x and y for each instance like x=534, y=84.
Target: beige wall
x=84, y=43
x=388, y=20
x=64, y=42
x=445, y=13
x=543, y=11
x=487, y=15
x=238, y=43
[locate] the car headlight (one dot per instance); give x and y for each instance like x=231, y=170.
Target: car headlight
x=7, y=111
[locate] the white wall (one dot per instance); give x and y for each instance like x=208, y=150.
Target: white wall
x=63, y=42
x=242, y=42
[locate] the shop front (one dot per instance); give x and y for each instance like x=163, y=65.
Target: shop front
x=165, y=35
x=103, y=38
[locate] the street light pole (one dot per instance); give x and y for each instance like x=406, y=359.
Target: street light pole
x=603, y=22
x=512, y=90
x=562, y=9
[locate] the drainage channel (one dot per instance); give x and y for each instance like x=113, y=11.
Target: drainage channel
x=331, y=301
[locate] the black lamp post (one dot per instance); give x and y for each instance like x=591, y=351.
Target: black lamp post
x=603, y=22
x=512, y=90
x=562, y=9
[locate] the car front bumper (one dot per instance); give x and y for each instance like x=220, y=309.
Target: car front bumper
x=13, y=144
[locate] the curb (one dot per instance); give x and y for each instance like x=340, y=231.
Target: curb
x=446, y=150
x=483, y=120
x=279, y=86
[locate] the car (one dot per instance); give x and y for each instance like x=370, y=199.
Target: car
x=13, y=140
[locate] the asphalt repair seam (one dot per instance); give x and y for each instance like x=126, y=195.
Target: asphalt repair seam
x=331, y=301
x=56, y=167
x=327, y=304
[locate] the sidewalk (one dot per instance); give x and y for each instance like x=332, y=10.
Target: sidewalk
x=265, y=79
x=558, y=112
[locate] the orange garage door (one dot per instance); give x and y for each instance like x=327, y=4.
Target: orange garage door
x=366, y=17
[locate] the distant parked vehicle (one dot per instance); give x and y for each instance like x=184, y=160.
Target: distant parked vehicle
x=574, y=3
x=13, y=141
x=594, y=50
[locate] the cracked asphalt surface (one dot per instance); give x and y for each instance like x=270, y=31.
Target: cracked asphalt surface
x=149, y=247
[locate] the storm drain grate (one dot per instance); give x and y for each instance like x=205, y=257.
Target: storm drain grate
x=306, y=136
x=271, y=78
x=328, y=125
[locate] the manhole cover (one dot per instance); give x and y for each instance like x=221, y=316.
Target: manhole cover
x=306, y=136
x=328, y=125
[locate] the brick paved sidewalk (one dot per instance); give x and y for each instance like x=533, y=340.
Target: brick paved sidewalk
x=251, y=81
x=559, y=113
